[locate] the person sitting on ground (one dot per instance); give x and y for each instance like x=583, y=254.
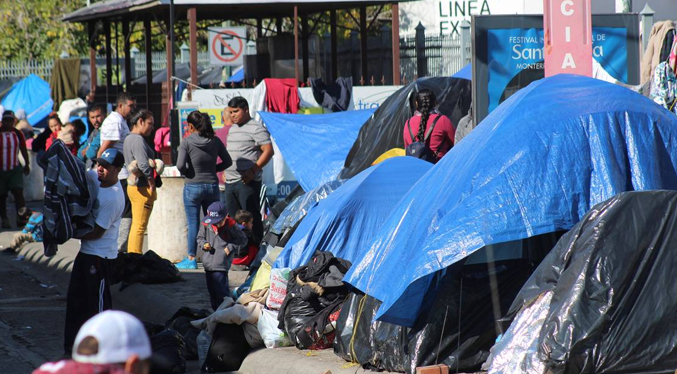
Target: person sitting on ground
x=245, y=254
x=31, y=233
x=111, y=342
x=217, y=238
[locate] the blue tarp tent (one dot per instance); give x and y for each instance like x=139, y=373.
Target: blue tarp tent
x=345, y=222
x=535, y=165
x=465, y=73
x=31, y=94
x=315, y=146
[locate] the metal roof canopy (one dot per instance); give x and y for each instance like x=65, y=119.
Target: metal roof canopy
x=213, y=9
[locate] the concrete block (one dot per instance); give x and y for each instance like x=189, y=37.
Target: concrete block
x=167, y=227
x=434, y=369
x=34, y=185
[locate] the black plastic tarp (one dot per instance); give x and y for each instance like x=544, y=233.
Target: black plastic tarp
x=603, y=301
x=383, y=131
x=458, y=328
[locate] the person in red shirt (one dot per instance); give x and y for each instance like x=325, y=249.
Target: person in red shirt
x=11, y=172
x=442, y=137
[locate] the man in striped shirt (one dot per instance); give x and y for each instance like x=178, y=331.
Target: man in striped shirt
x=11, y=178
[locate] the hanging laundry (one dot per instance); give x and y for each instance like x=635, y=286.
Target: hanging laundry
x=652, y=56
x=282, y=95
x=664, y=87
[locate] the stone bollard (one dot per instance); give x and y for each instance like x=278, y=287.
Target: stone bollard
x=167, y=227
x=34, y=184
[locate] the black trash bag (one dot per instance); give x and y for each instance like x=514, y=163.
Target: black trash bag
x=228, y=349
x=314, y=292
x=181, y=322
x=383, y=131
x=168, y=347
x=148, y=268
x=444, y=333
x=375, y=345
x=606, y=292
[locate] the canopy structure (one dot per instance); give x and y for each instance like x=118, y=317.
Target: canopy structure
x=129, y=12
x=31, y=94
x=499, y=184
x=344, y=222
x=314, y=146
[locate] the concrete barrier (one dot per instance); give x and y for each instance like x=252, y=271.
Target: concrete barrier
x=167, y=227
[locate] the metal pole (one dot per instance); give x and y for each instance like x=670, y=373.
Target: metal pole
x=396, y=43
x=92, y=55
x=296, y=43
x=127, y=47
x=334, y=45
x=170, y=82
x=149, y=59
x=304, y=43
x=647, y=23
x=363, y=43
x=192, y=20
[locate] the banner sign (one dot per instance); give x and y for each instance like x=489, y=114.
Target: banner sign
x=507, y=57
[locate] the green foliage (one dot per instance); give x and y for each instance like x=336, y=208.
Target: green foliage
x=33, y=29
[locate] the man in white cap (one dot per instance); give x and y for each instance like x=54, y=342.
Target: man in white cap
x=112, y=342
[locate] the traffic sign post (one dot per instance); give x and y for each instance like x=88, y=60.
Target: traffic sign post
x=227, y=45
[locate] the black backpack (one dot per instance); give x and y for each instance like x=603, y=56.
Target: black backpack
x=420, y=149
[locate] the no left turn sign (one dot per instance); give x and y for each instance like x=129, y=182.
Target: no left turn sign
x=226, y=46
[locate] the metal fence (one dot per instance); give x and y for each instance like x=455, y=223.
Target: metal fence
x=21, y=69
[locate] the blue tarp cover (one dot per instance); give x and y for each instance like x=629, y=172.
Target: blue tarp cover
x=345, y=222
x=465, y=73
x=31, y=94
x=535, y=165
x=315, y=146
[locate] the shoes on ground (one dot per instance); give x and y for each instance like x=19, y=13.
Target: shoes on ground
x=187, y=264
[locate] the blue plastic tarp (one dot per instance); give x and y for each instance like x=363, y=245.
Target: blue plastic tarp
x=31, y=94
x=237, y=77
x=345, y=222
x=315, y=146
x=535, y=165
x=465, y=73
x=298, y=208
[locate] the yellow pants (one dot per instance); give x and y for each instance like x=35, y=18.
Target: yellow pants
x=142, y=205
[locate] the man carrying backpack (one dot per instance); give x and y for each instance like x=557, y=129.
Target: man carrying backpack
x=428, y=134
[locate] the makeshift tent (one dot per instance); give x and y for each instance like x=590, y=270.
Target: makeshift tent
x=603, y=300
x=314, y=146
x=465, y=73
x=6, y=85
x=384, y=130
x=31, y=94
x=344, y=222
x=535, y=165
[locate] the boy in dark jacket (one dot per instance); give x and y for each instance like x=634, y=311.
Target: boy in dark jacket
x=217, y=238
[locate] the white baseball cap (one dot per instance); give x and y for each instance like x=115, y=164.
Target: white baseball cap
x=119, y=334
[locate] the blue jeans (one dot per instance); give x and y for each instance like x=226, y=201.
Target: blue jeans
x=196, y=196
x=246, y=196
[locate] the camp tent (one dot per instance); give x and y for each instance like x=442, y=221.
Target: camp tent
x=346, y=220
x=31, y=94
x=314, y=146
x=602, y=300
x=535, y=165
x=384, y=130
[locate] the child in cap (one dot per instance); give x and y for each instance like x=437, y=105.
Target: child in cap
x=217, y=239
x=111, y=342
x=245, y=254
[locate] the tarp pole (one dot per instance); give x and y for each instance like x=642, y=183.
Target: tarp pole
x=259, y=28
x=306, y=54
x=192, y=21
x=396, y=43
x=109, y=60
x=149, y=58
x=363, y=42
x=91, y=28
x=296, y=43
x=334, y=45
x=170, y=59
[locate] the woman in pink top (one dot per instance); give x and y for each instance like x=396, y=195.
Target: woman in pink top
x=441, y=139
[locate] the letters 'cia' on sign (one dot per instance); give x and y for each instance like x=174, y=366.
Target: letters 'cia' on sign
x=227, y=45
x=568, y=37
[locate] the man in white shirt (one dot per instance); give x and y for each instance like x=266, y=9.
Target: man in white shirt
x=114, y=130
x=89, y=288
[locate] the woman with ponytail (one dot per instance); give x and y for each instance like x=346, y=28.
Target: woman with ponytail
x=142, y=194
x=197, y=161
x=429, y=126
